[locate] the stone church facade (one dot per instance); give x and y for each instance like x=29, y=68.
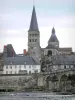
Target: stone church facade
x=34, y=48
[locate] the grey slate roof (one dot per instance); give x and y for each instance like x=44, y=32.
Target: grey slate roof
x=20, y=60
x=53, y=37
x=64, y=60
x=50, y=46
x=65, y=49
x=33, y=24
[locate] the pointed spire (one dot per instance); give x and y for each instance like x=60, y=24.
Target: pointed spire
x=53, y=30
x=33, y=24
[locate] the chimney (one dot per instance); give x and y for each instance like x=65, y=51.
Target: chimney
x=12, y=53
x=5, y=46
x=24, y=51
x=5, y=51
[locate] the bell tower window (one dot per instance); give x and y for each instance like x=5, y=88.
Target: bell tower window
x=30, y=40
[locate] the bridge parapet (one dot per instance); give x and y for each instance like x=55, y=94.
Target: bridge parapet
x=59, y=71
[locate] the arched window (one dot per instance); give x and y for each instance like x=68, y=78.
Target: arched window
x=49, y=53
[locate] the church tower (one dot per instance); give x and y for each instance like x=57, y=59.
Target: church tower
x=53, y=39
x=53, y=45
x=34, y=37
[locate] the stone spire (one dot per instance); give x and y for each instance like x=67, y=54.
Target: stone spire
x=33, y=24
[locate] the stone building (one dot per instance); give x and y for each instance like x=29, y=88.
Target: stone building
x=34, y=48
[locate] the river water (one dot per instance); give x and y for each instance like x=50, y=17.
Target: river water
x=35, y=96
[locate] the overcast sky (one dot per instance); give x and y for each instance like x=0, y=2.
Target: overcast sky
x=15, y=16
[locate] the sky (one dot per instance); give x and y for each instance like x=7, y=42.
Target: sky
x=15, y=17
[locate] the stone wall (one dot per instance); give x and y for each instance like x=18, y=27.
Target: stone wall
x=17, y=82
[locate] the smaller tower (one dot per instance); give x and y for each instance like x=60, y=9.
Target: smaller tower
x=53, y=39
x=53, y=45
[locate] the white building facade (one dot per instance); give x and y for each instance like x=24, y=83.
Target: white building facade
x=20, y=65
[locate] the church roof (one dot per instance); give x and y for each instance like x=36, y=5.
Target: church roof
x=33, y=24
x=65, y=49
x=50, y=46
x=53, y=37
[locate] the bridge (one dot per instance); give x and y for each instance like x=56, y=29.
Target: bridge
x=58, y=80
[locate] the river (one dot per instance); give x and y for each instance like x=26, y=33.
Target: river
x=35, y=96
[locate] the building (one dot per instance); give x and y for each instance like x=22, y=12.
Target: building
x=20, y=65
x=9, y=51
x=34, y=51
x=34, y=48
x=34, y=37
x=53, y=45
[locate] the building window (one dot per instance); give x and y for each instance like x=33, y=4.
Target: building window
x=30, y=35
x=11, y=66
x=30, y=40
x=29, y=66
x=6, y=66
x=65, y=66
x=34, y=67
x=20, y=67
x=35, y=40
x=25, y=66
x=29, y=72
